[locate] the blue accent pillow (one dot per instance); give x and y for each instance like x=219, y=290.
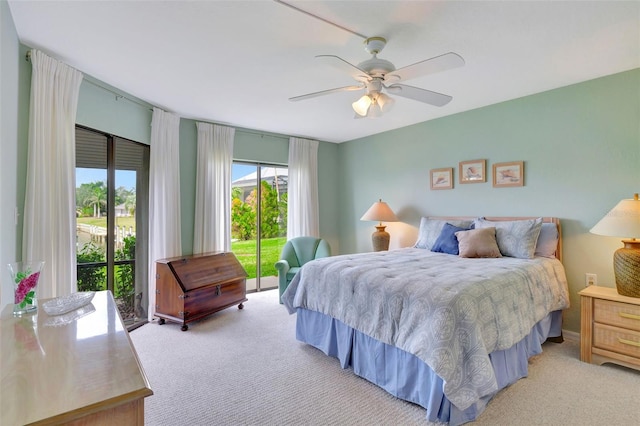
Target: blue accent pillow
x=447, y=241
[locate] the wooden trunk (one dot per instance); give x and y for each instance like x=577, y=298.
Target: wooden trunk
x=191, y=287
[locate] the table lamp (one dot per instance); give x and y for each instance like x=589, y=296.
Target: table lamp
x=380, y=212
x=624, y=221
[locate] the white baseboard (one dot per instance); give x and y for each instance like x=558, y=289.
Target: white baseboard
x=571, y=336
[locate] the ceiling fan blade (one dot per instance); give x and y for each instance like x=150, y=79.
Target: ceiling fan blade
x=344, y=66
x=428, y=66
x=326, y=92
x=422, y=95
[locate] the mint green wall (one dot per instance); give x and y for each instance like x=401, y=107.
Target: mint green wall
x=15, y=83
x=328, y=183
x=252, y=146
x=580, y=145
x=123, y=115
x=188, y=151
x=9, y=117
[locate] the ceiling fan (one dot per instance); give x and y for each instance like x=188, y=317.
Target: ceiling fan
x=377, y=75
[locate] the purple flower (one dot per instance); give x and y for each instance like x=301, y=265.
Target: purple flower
x=25, y=286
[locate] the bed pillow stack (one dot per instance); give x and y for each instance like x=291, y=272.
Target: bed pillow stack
x=523, y=239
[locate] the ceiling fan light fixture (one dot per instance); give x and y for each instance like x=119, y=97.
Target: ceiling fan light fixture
x=385, y=102
x=361, y=106
x=375, y=111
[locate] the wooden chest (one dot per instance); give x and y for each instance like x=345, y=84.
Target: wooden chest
x=191, y=287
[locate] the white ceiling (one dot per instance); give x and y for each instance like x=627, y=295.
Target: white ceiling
x=238, y=62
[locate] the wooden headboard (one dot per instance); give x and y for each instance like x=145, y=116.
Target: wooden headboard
x=554, y=220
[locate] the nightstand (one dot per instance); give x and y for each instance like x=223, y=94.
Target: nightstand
x=609, y=327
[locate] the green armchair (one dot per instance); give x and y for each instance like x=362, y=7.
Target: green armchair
x=297, y=252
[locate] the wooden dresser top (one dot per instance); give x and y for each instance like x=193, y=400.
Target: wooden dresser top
x=54, y=370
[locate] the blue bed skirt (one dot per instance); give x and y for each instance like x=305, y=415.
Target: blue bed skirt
x=407, y=377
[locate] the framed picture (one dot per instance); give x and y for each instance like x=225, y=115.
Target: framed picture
x=508, y=174
x=473, y=171
x=441, y=178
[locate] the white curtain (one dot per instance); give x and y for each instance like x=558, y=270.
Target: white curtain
x=212, y=226
x=164, y=195
x=302, y=212
x=49, y=228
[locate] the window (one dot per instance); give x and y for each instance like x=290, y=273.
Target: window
x=112, y=193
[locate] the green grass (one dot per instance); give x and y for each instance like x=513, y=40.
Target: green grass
x=245, y=251
x=126, y=221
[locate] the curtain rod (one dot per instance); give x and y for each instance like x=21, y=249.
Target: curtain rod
x=119, y=95
x=259, y=133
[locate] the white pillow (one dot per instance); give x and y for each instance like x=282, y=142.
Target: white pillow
x=430, y=230
x=516, y=238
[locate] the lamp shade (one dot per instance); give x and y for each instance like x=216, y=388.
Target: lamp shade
x=621, y=221
x=380, y=212
x=624, y=221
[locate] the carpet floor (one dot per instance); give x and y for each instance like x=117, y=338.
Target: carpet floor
x=245, y=367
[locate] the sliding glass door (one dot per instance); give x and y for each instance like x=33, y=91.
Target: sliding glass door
x=112, y=180
x=259, y=220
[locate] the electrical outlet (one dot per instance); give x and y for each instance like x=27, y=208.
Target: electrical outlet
x=590, y=279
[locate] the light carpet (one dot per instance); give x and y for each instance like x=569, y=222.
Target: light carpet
x=245, y=367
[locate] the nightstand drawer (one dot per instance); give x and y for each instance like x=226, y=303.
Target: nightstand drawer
x=616, y=340
x=616, y=313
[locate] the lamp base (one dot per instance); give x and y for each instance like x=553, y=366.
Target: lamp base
x=626, y=267
x=380, y=239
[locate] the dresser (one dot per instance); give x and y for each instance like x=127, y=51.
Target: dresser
x=191, y=287
x=78, y=368
x=610, y=327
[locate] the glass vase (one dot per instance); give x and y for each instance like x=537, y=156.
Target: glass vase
x=25, y=277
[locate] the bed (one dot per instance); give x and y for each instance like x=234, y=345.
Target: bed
x=447, y=323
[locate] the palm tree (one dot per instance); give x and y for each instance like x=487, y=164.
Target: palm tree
x=97, y=199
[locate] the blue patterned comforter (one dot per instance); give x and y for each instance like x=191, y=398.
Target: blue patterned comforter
x=449, y=311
